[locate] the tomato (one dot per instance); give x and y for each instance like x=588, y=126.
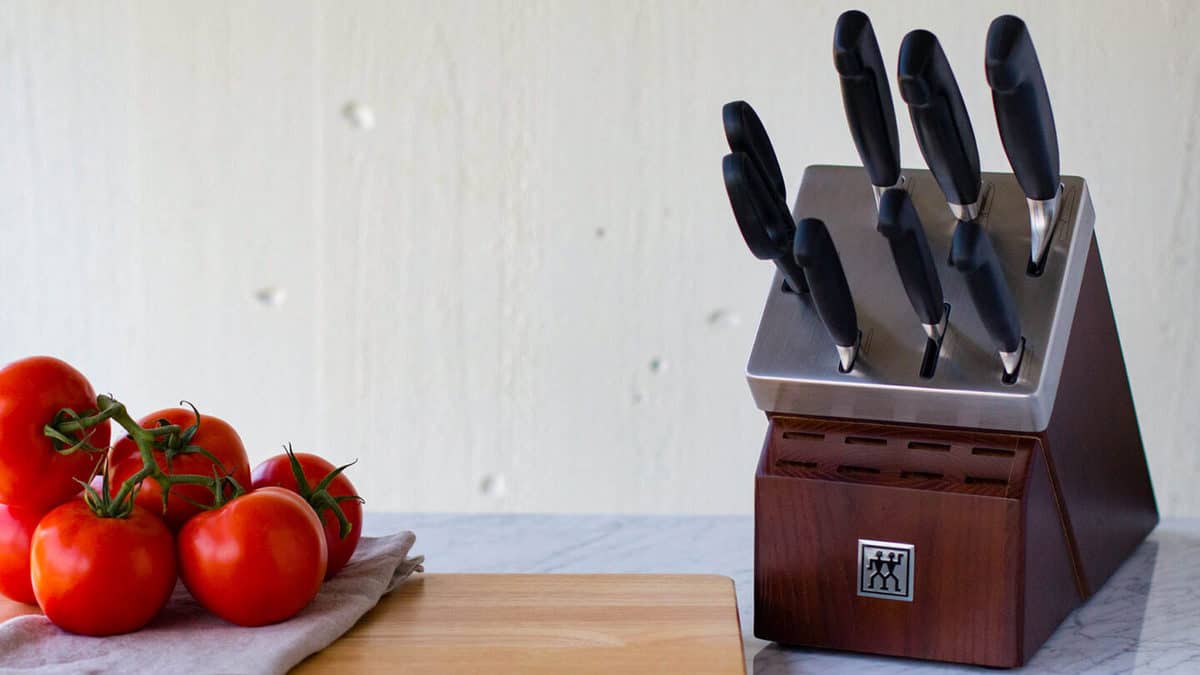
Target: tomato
x=101, y=576
x=256, y=560
x=16, y=530
x=214, y=435
x=277, y=471
x=32, y=473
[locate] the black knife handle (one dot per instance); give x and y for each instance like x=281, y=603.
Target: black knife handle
x=745, y=133
x=939, y=117
x=1022, y=107
x=763, y=218
x=900, y=224
x=972, y=254
x=815, y=252
x=867, y=97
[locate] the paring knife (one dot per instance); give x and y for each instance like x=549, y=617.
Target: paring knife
x=900, y=224
x=763, y=217
x=940, y=121
x=1026, y=124
x=948, y=143
x=756, y=191
x=972, y=254
x=867, y=99
x=815, y=252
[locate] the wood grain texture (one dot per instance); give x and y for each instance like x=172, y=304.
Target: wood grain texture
x=525, y=623
x=975, y=544
x=1094, y=442
x=11, y=609
x=535, y=219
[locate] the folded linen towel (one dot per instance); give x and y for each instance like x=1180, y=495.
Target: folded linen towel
x=186, y=638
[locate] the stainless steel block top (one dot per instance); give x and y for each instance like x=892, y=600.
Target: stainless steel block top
x=793, y=367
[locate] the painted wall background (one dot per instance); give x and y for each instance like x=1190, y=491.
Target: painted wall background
x=485, y=248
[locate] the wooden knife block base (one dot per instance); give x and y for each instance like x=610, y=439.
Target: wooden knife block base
x=1009, y=531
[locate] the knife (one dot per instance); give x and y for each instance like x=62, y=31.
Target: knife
x=867, y=99
x=900, y=224
x=940, y=121
x=763, y=217
x=1026, y=125
x=815, y=252
x=972, y=254
x=947, y=141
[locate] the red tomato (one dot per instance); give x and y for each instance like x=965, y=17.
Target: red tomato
x=16, y=530
x=214, y=435
x=101, y=576
x=277, y=471
x=32, y=473
x=255, y=561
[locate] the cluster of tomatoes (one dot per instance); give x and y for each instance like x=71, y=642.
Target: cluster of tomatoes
x=97, y=535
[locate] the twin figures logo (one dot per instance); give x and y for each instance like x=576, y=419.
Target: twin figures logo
x=885, y=569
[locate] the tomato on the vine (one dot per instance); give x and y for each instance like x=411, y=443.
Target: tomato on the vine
x=338, y=493
x=33, y=473
x=16, y=531
x=100, y=576
x=213, y=435
x=256, y=560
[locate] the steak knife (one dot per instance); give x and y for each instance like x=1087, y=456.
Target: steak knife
x=900, y=224
x=940, y=121
x=867, y=99
x=1026, y=125
x=972, y=254
x=763, y=217
x=815, y=252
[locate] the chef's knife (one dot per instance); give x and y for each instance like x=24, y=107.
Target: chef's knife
x=815, y=252
x=1026, y=124
x=745, y=133
x=867, y=99
x=940, y=121
x=972, y=254
x=900, y=224
x=763, y=217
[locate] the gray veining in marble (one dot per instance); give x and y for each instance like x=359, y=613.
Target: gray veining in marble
x=1145, y=620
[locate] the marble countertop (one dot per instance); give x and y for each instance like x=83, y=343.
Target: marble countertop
x=1145, y=619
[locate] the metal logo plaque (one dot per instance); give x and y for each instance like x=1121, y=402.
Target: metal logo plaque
x=885, y=569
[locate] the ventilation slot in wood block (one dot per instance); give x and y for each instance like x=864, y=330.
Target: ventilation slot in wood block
x=857, y=470
x=865, y=440
x=803, y=435
x=923, y=445
x=924, y=475
x=796, y=464
x=979, y=480
x=993, y=452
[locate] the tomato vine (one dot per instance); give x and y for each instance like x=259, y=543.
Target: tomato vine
x=171, y=439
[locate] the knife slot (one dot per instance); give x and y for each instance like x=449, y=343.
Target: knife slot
x=924, y=445
x=865, y=440
x=850, y=469
x=796, y=464
x=993, y=452
x=927, y=475
x=805, y=435
x=979, y=480
x=929, y=359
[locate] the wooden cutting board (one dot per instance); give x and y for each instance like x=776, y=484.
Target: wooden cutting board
x=538, y=623
x=545, y=623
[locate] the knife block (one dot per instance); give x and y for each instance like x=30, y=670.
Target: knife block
x=953, y=517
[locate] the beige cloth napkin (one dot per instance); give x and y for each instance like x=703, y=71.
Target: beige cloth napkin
x=185, y=638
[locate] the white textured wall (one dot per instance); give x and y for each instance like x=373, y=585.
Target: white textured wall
x=522, y=288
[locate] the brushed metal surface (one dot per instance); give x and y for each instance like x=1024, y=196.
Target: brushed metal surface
x=793, y=366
